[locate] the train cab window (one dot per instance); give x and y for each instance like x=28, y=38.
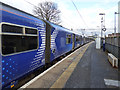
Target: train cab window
x=68, y=39
x=14, y=43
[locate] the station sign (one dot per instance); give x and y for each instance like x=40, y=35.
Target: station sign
x=104, y=29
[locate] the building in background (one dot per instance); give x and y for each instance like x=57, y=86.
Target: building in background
x=114, y=35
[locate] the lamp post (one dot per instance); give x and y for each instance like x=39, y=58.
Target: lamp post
x=115, y=22
x=98, y=27
x=102, y=24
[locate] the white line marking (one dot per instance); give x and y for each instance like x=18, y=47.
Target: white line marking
x=110, y=82
x=40, y=75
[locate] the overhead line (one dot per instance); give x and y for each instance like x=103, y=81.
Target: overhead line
x=79, y=13
x=45, y=0
x=110, y=29
x=30, y=3
x=67, y=19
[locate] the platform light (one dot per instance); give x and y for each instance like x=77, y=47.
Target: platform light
x=115, y=22
x=101, y=13
x=102, y=25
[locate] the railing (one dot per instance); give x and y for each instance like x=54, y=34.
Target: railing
x=112, y=45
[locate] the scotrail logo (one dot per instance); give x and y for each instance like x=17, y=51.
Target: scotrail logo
x=40, y=56
x=53, y=38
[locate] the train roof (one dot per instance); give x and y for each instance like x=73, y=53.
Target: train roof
x=18, y=11
x=13, y=10
x=62, y=28
x=6, y=5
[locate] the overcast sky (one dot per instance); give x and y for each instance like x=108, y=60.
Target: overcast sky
x=88, y=9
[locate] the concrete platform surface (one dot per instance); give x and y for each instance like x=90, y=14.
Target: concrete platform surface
x=84, y=68
x=47, y=79
x=92, y=70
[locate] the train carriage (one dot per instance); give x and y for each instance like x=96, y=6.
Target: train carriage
x=60, y=39
x=22, y=45
x=78, y=40
x=28, y=43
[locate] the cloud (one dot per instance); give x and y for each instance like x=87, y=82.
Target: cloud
x=89, y=9
x=92, y=17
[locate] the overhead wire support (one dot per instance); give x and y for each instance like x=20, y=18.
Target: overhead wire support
x=30, y=3
x=79, y=13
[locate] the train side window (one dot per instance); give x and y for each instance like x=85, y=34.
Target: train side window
x=11, y=29
x=68, y=39
x=10, y=44
x=77, y=38
x=30, y=31
x=13, y=43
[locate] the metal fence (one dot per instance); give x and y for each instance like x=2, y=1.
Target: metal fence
x=112, y=45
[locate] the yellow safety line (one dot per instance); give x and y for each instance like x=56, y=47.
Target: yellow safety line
x=60, y=82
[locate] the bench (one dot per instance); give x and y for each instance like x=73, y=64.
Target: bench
x=113, y=60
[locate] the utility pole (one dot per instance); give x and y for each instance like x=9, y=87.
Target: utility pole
x=102, y=23
x=115, y=22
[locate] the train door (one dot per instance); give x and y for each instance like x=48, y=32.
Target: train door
x=73, y=41
x=48, y=43
x=0, y=62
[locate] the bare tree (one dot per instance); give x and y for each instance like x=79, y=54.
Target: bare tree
x=48, y=11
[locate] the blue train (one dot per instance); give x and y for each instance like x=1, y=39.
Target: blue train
x=27, y=43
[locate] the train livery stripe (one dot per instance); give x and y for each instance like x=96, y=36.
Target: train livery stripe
x=17, y=14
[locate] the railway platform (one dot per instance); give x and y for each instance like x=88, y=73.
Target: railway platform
x=86, y=67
